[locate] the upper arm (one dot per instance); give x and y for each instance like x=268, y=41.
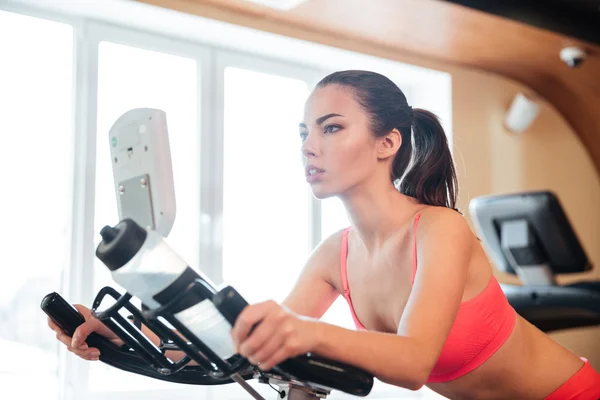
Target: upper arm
x=314, y=291
x=444, y=247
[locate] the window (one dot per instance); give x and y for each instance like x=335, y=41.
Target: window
x=245, y=214
x=333, y=216
x=266, y=203
x=128, y=78
x=35, y=170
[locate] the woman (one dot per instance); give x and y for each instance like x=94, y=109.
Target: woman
x=427, y=307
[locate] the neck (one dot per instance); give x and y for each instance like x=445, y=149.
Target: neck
x=376, y=213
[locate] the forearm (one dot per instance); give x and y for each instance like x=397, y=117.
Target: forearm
x=390, y=358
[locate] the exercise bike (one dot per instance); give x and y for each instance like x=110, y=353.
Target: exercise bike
x=180, y=305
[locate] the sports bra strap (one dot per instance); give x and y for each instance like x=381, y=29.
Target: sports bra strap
x=343, y=262
x=414, y=258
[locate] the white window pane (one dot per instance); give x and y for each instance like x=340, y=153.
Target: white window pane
x=266, y=198
x=333, y=216
x=128, y=78
x=35, y=171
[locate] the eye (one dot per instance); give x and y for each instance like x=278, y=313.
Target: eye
x=332, y=128
x=303, y=135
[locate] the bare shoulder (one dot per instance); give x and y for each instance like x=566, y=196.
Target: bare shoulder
x=318, y=284
x=329, y=248
x=325, y=258
x=435, y=221
x=333, y=241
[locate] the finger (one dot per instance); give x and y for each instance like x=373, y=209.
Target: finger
x=67, y=341
x=267, y=349
x=249, y=316
x=91, y=354
x=277, y=358
x=53, y=325
x=260, y=337
x=83, y=310
x=64, y=338
x=82, y=332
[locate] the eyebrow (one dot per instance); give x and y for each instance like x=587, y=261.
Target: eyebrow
x=322, y=119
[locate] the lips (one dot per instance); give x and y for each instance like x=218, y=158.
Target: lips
x=312, y=170
x=313, y=173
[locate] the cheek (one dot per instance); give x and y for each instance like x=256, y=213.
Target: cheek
x=353, y=161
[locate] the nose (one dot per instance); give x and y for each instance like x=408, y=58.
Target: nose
x=309, y=146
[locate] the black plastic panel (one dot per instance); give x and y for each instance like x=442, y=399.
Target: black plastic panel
x=545, y=217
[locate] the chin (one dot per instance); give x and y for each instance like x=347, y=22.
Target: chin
x=322, y=193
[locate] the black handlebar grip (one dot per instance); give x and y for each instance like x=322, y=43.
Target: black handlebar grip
x=229, y=303
x=68, y=318
x=310, y=368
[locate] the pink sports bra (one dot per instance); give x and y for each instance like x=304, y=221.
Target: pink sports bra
x=482, y=324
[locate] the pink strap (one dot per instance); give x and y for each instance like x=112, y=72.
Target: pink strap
x=343, y=266
x=414, y=261
x=344, y=273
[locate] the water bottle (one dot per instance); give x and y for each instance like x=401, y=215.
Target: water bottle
x=148, y=268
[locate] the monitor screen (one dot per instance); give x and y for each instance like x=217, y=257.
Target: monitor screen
x=555, y=239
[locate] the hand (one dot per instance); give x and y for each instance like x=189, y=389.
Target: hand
x=279, y=334
x=77, y=344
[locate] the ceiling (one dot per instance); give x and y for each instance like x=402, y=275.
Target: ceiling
x=518, y=39
x=579, y=19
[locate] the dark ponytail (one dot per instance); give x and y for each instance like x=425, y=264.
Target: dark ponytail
x=423, y=167
x=430, y=176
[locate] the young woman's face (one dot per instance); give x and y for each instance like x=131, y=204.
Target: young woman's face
x=338, y=148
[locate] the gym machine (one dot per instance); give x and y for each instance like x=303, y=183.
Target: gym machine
x=529, y=235
x=188, y=312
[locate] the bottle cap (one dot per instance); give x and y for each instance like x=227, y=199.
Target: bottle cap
x=120, y=243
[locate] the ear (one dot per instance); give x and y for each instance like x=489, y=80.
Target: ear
x=388, y=145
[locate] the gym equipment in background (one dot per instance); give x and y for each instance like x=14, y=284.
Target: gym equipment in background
x=528, y=234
